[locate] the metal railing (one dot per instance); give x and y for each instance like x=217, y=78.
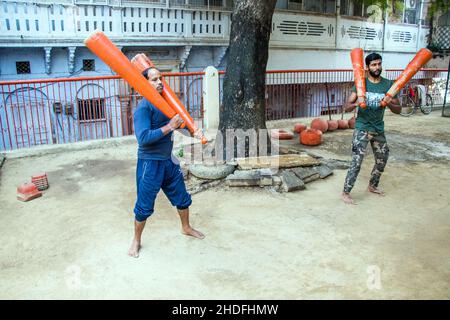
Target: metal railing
x=54, y=111
x=303, y=93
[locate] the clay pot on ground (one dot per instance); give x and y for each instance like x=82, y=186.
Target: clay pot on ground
x=351, y=123
x=332, y=125
x=298, y=127
x=281, y=134
x=311, y=137
x=343, y=124
x=319, y=124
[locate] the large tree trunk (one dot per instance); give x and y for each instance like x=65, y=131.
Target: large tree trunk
x=244, y=84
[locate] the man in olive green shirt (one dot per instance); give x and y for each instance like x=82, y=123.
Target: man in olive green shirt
x=369, y=127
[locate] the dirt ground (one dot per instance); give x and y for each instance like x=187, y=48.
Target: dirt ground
x=72, y=242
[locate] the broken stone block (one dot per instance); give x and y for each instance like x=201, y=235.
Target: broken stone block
x=324, y=171
x=244, y=178
x=281, y=161
x=306, y=174
x=337, y=164
x=265, y=181
x=211, y=172
x=276, y=180
x=291, y=182
x=267, y=172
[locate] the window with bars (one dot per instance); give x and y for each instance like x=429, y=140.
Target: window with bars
x=91, y=109
x=23, y=67
x=88, y=65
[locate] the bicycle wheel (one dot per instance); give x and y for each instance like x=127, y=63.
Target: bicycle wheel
x=429, y=104
x=408, y=105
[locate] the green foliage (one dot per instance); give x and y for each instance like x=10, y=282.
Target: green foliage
x=434, y=47
x=437, y=6
x=392, y=7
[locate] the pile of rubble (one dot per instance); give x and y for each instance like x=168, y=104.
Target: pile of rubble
x=283, y=173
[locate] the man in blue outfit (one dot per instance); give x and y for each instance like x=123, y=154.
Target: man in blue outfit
x=155, y=169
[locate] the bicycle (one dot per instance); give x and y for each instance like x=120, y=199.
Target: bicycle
x=412, y=100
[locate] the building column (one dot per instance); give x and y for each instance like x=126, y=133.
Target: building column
x=71, y=59
x=188, y=22
x=185, y=56
x=337, y=39
x=211, y=98
x=220, y=53
x=47, y=59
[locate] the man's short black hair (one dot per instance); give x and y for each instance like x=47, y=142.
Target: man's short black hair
x=371, y=57
x=145, y=72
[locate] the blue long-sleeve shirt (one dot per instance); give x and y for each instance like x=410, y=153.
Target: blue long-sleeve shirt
x=153, y=144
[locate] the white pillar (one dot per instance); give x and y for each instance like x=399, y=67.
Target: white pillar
x=47, y=59
x=211, y=98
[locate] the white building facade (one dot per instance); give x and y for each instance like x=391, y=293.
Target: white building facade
x=45, y=38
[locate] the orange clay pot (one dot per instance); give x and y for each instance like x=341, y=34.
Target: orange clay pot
x=351, y=123
x=343, y=124
x=281, y=134
x=332, y=125
x=298, y=128
x=319, y=124
x=311, y=137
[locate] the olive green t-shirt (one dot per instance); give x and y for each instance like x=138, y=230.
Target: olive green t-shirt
x=371, y=118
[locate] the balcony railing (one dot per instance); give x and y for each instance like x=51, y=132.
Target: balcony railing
x=183, y=22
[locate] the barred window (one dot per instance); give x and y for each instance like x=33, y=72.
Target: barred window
x=88, y=65
x=91, y=109
x=23, y=67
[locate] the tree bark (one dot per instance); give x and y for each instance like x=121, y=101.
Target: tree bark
x=244, y=84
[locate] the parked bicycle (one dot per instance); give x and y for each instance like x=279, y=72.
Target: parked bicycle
x=416, y=97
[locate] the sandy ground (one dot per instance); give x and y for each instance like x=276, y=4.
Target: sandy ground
x=72, y=242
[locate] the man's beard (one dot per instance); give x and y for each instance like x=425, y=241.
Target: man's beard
x=375, y=74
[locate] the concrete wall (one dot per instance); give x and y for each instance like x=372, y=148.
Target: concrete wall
x=284, y=59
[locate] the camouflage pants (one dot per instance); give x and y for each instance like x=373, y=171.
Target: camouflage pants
x=359, y=145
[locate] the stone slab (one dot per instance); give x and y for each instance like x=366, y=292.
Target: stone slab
x=211, y=172
x=244, y=178
x=281, y=161
x=323, y=171
x=291, y=182
x=306, y=174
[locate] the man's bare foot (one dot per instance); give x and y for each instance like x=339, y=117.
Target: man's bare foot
x=192, y=232
x=134, y=249
x=376, y=191
x=347, y=199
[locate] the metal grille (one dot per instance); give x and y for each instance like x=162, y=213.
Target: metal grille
x=23, y=67
x=402, y=36
x=361, y=33
x=301, y=28
x=91, y=109
x=443, y=36
x=88, y=65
